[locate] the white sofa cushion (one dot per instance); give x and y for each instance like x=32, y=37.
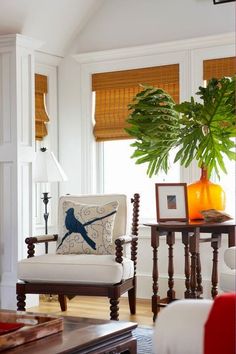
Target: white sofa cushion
x=179, y=327
x=54, y=268
x=230, y=257
x=228, y=280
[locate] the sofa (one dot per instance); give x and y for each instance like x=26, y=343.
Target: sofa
x=194, y=326
x=201, y=326
x=228, y=272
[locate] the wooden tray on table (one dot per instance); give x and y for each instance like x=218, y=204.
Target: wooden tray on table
x=18, y=327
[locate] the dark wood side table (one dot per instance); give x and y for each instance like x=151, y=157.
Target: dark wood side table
x=191, y=239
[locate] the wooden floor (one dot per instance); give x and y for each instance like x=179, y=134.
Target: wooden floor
x=98, y=307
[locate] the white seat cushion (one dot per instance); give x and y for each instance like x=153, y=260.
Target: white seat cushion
x=75, y=268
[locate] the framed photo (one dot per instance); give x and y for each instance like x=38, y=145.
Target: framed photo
x=171, y=201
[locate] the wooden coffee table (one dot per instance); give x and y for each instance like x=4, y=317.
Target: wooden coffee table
x=84, y=335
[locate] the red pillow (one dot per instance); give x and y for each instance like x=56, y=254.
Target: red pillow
x=220, y=327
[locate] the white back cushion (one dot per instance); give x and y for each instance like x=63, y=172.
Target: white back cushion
x=230, y=257
x=120, y=224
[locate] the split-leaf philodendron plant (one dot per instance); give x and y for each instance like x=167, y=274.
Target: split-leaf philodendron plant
x=199, y=130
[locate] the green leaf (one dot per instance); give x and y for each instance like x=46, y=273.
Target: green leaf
x=201, y=130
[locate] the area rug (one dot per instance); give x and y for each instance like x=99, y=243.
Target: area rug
x=144, y=339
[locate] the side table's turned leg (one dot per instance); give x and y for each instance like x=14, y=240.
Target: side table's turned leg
x=232, y=236
x=170, y=240
x=185, y=241
x=155, y=297
x=199, y=276
x=194, y=250
x=215, y=244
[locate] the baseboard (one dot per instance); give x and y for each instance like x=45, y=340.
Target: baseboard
x=8, y=297
x=144, y=286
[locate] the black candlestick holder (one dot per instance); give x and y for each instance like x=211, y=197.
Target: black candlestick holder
x=46, y=215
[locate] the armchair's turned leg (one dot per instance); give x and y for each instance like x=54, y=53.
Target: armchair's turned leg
x=21, y=302
x=132, y=299
x=114, y=308
x=63, y=302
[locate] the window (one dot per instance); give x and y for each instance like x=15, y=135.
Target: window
x=228, y=183
x=218, y=68
x=122, y=175
x=113, y=92
x=119, y=172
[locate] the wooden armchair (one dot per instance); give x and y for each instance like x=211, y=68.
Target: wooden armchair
x=69, y=275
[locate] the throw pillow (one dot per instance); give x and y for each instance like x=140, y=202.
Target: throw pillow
x=87, y=229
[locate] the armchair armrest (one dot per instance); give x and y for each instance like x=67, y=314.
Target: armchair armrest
x=31, y=241
x=122, y=240
x=126, y=239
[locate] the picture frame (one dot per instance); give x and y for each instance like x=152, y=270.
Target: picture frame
x=171, y=202
x=216, y=2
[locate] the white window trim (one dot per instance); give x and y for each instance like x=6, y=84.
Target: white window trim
x=47, y=65
x=188, y=53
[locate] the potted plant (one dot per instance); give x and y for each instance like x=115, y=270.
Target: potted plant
x=200, y=131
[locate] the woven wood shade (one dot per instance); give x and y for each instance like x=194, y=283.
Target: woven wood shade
x=218, y=68
x=41, y=116
x=115, y=90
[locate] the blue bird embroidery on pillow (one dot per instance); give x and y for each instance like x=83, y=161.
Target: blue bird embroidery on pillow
x=73, y=225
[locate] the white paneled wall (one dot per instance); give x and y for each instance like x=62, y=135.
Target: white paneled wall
x=16, y=155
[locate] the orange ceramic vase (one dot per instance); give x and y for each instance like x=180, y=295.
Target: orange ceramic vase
x=203, y=195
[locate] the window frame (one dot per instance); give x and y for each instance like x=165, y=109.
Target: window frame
x=189, y=54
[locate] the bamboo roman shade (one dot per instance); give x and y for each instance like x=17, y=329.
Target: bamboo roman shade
x=219, y=67
x=41, y=116
x=115, y=90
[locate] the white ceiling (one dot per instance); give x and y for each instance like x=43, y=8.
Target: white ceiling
x=128, y=23
x=88, y=25
x=55, y=22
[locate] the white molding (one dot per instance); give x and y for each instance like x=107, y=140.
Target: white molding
x=146, y=50
x=10, y=40
x=47, y=65
x=16, y=155
x=5, y=99
x=47, y=59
